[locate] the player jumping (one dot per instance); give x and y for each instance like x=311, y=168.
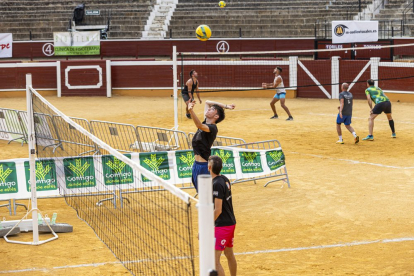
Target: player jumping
x=382, y=104
x=190, y=85
x=225, y=221
x=206, y=134
x=345, y=113
x=280, y=93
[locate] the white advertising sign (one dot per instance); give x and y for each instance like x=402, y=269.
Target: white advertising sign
x=354, y=31
x=6, y=43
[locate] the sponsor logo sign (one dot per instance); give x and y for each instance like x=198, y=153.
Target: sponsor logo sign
x=157, y=163
x=228, y=160
x=8, y=178
x=116, y=172
x=79, y=172
x=275, y=159
x=185, y=160
x=250, y=162
x=77, y=43
x=46, y=179
x=354, y=31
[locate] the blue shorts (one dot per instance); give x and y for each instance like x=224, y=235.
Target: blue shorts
x=280, y=96
x=346, y=120
x=199, y=168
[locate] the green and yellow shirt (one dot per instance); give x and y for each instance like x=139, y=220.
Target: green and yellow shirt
x=376, y=94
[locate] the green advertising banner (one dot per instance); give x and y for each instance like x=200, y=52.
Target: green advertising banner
x=250, y=162
x=229, y=166
x=77, y=43
x=8, y=178
x=79, y=172
x=116, y=172
x=46, y=179
x=275, y=159
x=157, y=163
x=185, y=160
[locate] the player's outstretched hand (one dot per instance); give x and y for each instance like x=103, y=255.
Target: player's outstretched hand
x=191, y=105
x=231, y=106
x=201, y=101
x=264, y=85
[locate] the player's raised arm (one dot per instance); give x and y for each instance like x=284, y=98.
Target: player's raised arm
x=197, y=121
x=211, y=103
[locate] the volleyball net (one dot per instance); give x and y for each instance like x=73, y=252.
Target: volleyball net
x=149, y=230
x=311, y=73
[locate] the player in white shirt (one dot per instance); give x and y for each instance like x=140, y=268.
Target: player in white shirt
x=280, y=94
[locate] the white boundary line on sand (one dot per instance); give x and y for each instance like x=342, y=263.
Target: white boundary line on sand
x=347, y=244
x=353, y=161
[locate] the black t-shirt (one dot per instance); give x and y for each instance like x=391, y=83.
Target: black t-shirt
x=222, y=190
x=203, y=141
x=348, y=101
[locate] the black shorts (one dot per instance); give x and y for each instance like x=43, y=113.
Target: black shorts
x=186, y=97
x=382, y=107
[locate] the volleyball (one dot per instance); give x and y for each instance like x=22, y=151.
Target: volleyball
x=222, y=4
x=203, y=32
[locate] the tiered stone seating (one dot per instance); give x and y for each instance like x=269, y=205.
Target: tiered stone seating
x=42, y=18
x=260, y=18
x=394, y=13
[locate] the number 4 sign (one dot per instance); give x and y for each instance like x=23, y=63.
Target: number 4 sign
x=48, y=49
x=222, y=47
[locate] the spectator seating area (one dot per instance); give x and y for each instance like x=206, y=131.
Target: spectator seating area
x=255, y=18
x=43, y=17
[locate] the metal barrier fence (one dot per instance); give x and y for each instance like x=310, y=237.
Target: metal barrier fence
x=162, y=139
x=279, y=175
x=11, y=125
x=221, y=140
x=122, y=137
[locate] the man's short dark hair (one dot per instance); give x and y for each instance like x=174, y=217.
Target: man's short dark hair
x=371, y=82
x=191, y=72
x=220, y=113
x=216, y=164
x=279, y=68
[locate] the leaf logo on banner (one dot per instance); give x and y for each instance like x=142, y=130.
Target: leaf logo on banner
x=79, y=169
x=340, y=30
x=41, y=172
x=276, y=155
x=223, y=156
x=189, y=159
x=4, y=174
x=250, y=156
x=117, y=166
x=154, y=163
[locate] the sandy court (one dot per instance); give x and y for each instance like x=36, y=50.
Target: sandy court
x=349, y=210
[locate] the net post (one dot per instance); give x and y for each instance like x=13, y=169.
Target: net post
x=374, y=69
x=108, y=79
x=293, y=71
x=335, y=77
x=175, y=79
x=206, y=225
x=32, y=157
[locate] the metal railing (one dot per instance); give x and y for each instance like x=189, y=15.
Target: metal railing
x=221, y=140
x=162, y=139
x=11, y=124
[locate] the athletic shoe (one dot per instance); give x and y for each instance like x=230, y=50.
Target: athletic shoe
x=357, y=139
x=290, y=118
x=394, y=135
x=275, y=117
x=369, y=138
x=188, y=115
x=340, y=141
